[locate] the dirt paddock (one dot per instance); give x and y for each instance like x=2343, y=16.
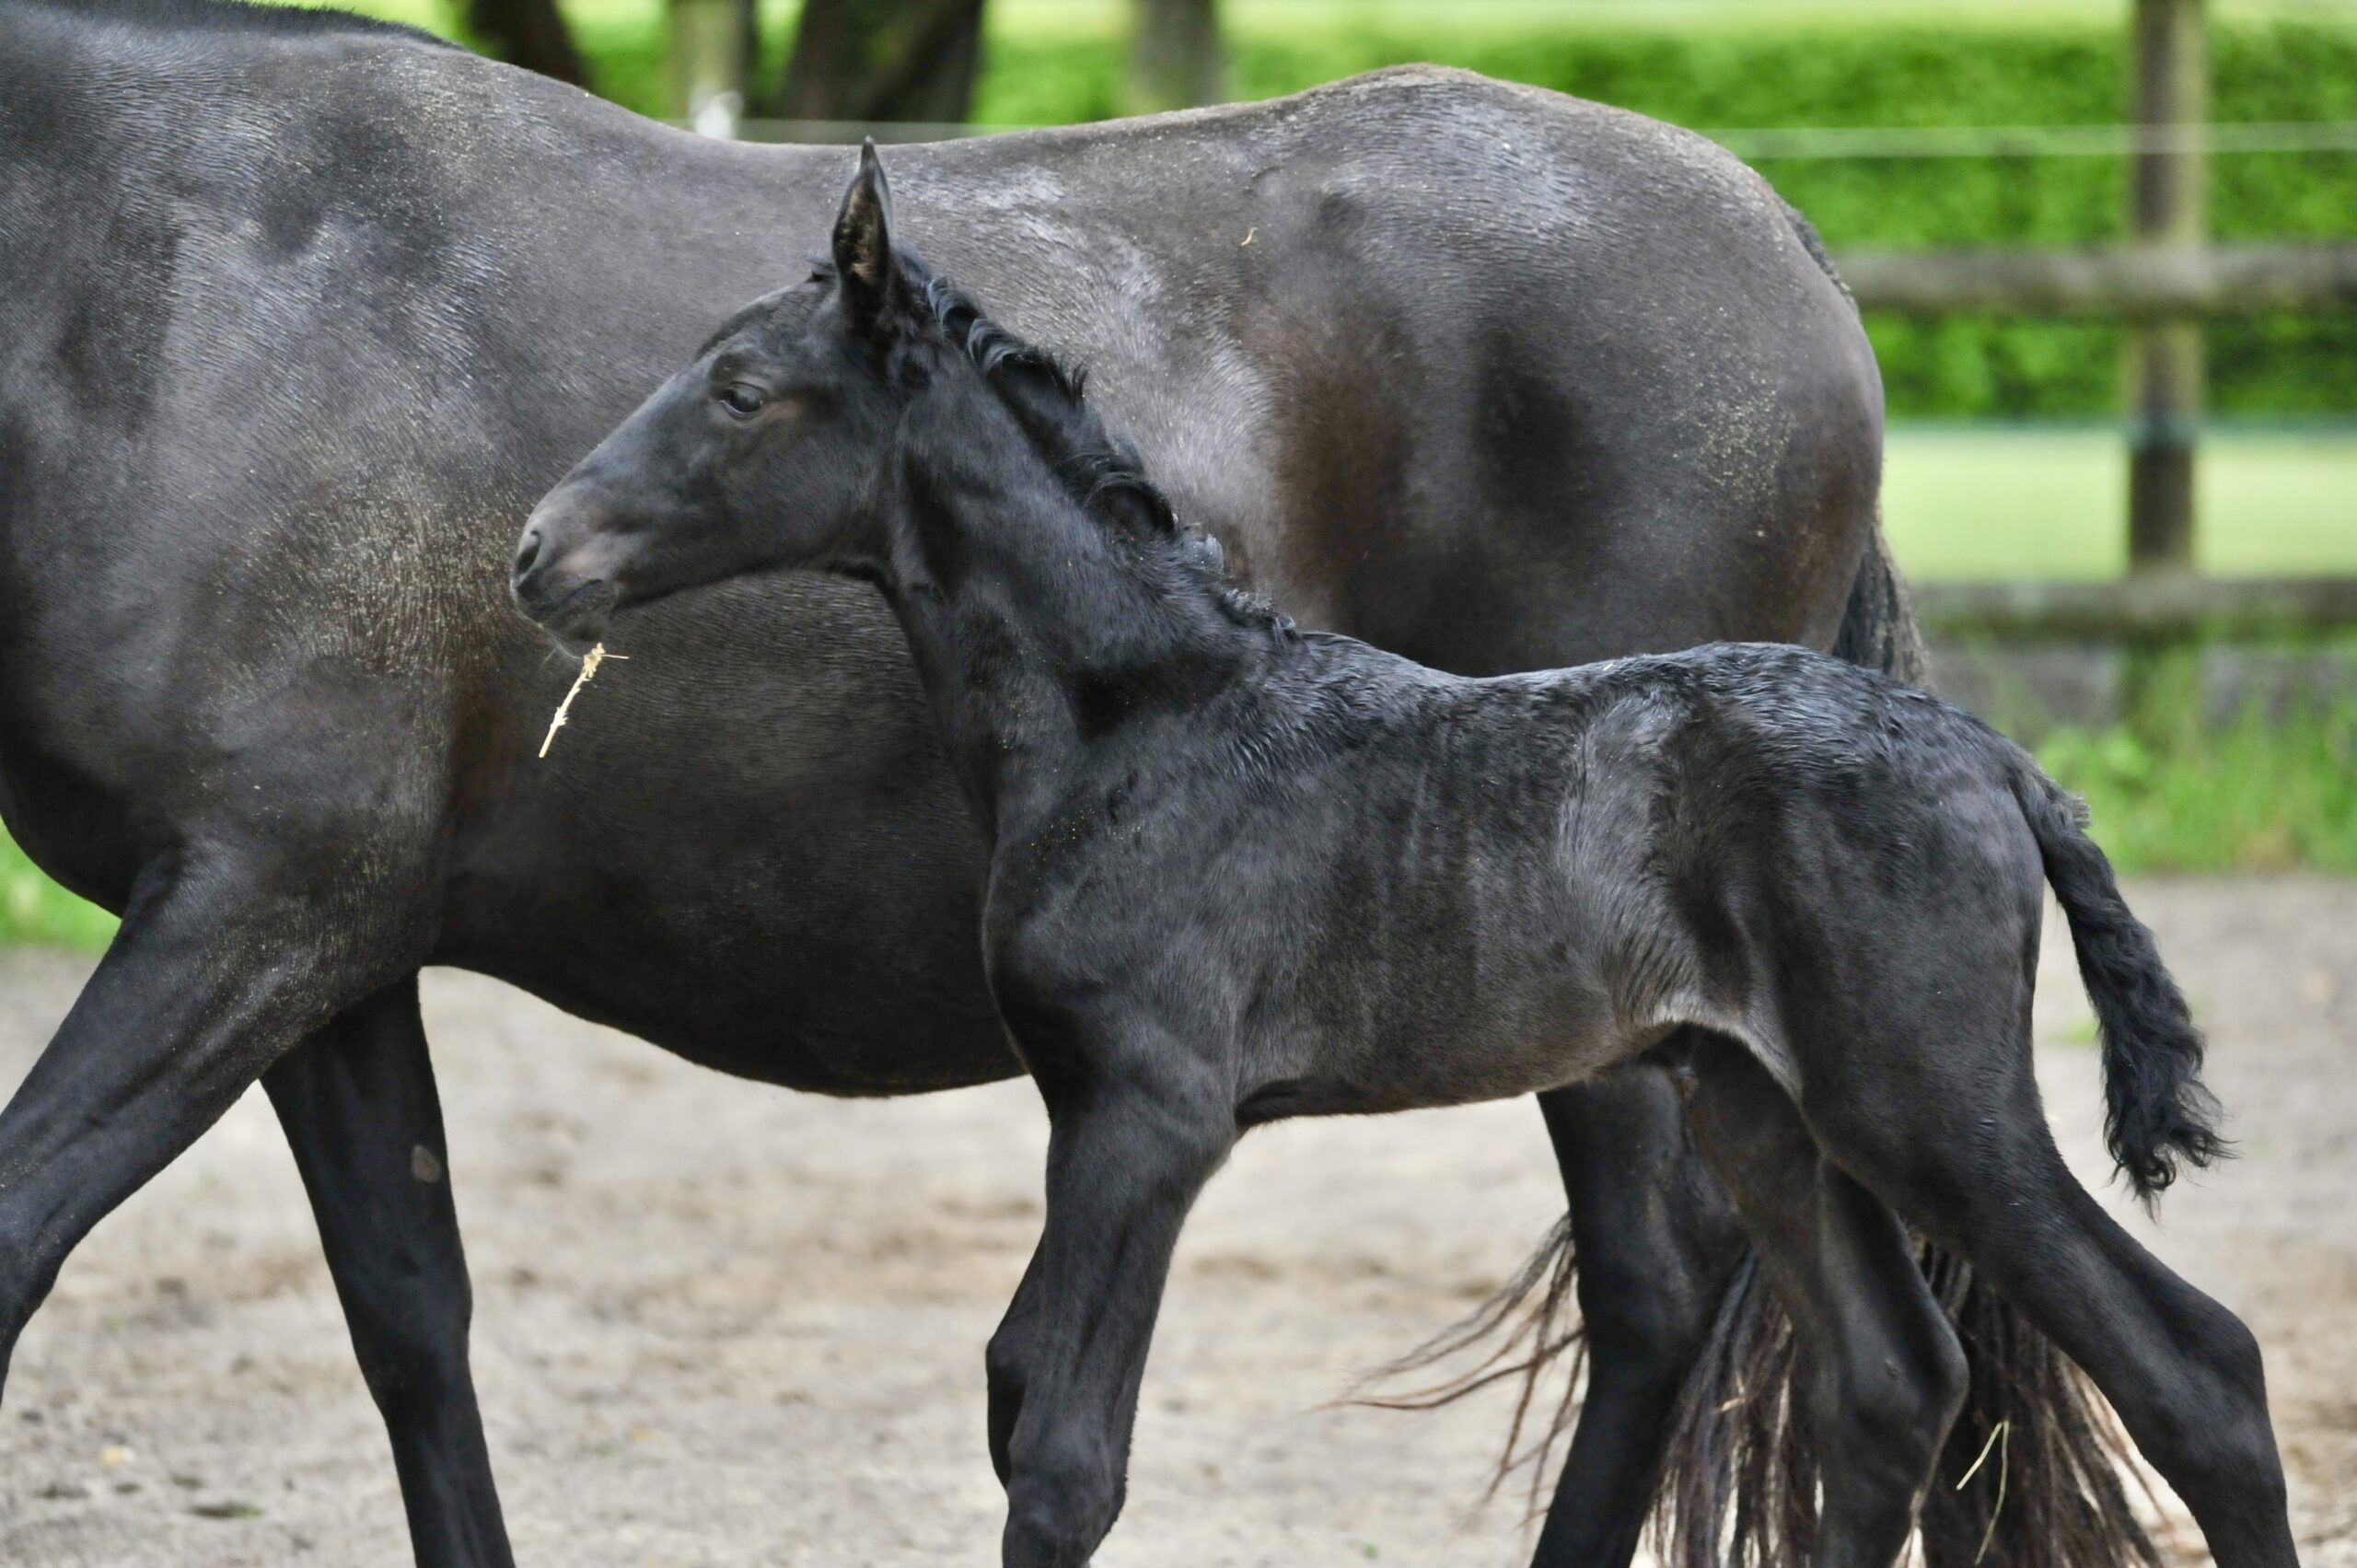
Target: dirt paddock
x=717, y=1323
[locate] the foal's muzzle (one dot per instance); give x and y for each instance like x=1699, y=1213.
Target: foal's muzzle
x=551, y=582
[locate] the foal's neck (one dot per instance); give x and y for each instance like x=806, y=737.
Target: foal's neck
x=1044, y=630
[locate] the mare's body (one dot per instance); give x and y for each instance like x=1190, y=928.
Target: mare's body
x=303, y=315
x=1238, y=873
x=297, y=316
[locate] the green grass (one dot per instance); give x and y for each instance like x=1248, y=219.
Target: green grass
x=35, y=911
x=1963, y=502
x=2265, y=794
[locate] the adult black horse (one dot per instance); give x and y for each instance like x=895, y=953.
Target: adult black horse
x=299, y=314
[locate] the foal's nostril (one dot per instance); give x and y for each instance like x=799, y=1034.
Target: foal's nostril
x=527, y=556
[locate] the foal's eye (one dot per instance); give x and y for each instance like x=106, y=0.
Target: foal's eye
x=742, y=400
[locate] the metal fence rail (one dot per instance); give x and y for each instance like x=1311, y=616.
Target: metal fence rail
x=1802, y=143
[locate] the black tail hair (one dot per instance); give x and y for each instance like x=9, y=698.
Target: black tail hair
x=2034, y=1474
x=1878, y=628
x=2157, y=1113
x=1534, y=1321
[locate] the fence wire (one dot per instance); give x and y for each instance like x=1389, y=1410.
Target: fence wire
x=1862, y=142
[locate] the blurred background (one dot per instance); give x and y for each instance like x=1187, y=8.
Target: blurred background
x=2108, y=249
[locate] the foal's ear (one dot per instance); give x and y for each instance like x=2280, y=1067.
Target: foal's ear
x=864, y=261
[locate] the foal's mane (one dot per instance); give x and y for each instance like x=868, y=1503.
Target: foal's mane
x=1101, y=470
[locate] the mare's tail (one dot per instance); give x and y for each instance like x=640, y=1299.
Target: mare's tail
x=1878, y=630
x=2157, y=1113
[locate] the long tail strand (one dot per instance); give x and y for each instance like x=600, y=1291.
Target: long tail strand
x=1739, y=1482
x=1742, y=1484
x=1739, y=1487
x=2055, y=1491
x=1532, y=1329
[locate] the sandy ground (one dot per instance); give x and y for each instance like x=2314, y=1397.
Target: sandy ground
x=719, y=1323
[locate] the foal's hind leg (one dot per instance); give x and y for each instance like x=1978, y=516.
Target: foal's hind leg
x=1657, y=1243
x=1967, y=1157
x=1881, y=1372
x=358, y=1106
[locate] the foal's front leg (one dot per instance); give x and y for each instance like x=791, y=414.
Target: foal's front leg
x=1138, y=1123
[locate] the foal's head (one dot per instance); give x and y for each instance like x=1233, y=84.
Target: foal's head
x=766, y=451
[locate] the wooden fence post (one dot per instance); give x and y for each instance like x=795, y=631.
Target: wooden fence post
x=2165, y=210
x=912, y=61
x=708, y=64
x=1175, y=60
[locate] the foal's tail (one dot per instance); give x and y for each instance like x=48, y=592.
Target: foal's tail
x=2158, y=1113
x=2033, y=1474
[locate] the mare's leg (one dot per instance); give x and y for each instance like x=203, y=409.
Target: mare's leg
x=358, y=1104
x=1657, y=1243
x=1005, y=1362
x=1972, y=1162
x=1881, y=1374
x=214, y=973
x=1133, y=1136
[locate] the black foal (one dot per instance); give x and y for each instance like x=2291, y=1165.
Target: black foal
x=1240, y=873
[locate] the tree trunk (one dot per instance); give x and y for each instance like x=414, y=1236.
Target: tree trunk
x=866, y=59
x=531, y=33
x=749, y=41
x=1175, y=57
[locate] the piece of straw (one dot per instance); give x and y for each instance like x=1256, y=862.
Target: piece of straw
x=2000, y=1438
x=589, y=663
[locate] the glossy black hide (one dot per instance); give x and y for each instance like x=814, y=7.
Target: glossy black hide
x=1239, y=872
x=301, y=314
